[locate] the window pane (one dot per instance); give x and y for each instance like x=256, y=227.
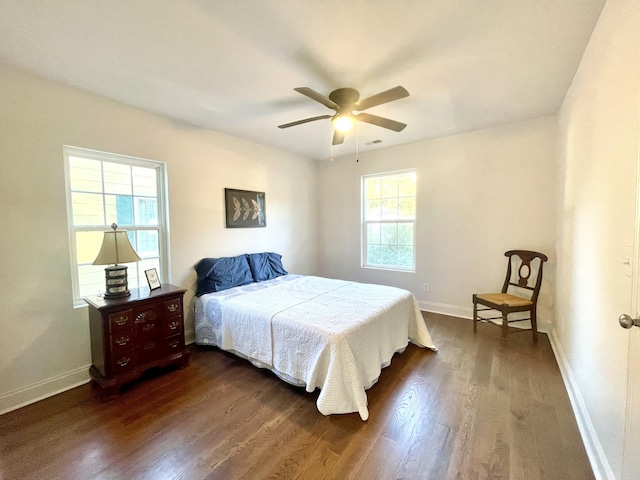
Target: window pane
x=390, y=209
x=373, y=233
x=372, y=188
x=407, y=208
x=85, y=175
x=146, y=264
x=117, y=178
x=146, y=211
x=388, y=255
x=91, y=279
x=87, y=209
x=372, y=211
x=145, y=182
x=373, y=255
x=405, y=256
x=87, y=246
x=407, y=185
x=405, y=234
x=119, y=209
x=147, y=244
x=389, y=233
x=390, y=187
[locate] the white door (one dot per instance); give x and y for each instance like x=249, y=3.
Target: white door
x=631, y=454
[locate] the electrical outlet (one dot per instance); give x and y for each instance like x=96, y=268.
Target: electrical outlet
x=425, y=287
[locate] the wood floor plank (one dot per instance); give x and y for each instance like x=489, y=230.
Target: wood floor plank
x=480, y=408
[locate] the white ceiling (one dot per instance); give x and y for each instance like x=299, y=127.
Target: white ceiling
x=231, y=65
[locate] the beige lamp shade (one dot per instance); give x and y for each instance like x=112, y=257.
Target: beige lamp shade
x=116, y=248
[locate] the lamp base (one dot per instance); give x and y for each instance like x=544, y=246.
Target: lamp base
x=117, y=285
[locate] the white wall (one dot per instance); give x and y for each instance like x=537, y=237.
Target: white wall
x=598, y=152
x=44, y=345
x=479, y=195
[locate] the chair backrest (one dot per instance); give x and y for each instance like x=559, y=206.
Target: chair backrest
x=524, y=271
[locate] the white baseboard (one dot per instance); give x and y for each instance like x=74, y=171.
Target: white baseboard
x=597, y=458
x=43, y=389
x=189, y=337
x=445, y=309
x=544, y=326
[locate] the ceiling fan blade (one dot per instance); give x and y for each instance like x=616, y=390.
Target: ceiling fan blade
x=318, y=97
x=338, y=137
x=390, y=95
x=306, y=120
x=381, y=122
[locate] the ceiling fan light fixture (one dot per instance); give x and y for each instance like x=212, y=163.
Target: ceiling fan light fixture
x=343, y=123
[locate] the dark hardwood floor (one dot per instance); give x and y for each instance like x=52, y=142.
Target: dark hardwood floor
x=477, y=409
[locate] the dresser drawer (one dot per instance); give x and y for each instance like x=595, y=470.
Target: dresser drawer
x=172, y=307
x=172, y=326
x=121, y=342
x=173, y=344
x=119, y=321
x=147, y=330
x=124, y=362
x=149, y=351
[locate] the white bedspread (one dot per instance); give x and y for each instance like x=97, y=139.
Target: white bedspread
x=317, y=332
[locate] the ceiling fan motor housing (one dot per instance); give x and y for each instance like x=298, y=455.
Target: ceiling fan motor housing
x=345, y=97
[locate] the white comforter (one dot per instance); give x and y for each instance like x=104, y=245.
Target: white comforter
x=317, y=332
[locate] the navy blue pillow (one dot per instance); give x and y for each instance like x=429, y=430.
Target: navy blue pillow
x=265, y=266
x=216, y=274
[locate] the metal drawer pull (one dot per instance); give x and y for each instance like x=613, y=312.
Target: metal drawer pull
x=173, y=307
x=122, y=341
x=148, y=327
x=124, y=361
x=173, y=325
x=174, y=344
x=149, y=345
x=121, y=320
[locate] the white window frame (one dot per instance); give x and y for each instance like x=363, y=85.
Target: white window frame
x=364, y=223
x=163, y=212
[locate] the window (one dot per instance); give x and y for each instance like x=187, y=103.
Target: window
x=102, y=189
x=389, y=220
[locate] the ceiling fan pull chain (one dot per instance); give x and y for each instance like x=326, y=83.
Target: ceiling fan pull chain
x=330, y=140
x=357, y=144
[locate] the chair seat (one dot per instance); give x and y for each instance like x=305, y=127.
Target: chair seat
x=504, y=299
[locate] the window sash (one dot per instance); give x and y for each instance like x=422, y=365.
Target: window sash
x=367, y=243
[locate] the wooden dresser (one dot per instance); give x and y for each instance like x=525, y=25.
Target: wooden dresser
x=132, y=334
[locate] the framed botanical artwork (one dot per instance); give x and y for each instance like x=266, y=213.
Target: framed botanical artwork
x=244, y=208
x=152, y=278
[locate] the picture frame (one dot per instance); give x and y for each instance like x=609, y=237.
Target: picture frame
x=152, y=278
x=245, y=208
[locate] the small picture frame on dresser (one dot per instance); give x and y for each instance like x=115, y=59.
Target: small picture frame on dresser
x=152, y=278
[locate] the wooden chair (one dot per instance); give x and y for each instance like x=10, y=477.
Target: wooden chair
x=507, y=303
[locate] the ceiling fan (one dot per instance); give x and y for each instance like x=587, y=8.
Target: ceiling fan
x=347, y=100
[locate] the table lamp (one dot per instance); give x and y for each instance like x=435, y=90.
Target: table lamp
x=115, y=249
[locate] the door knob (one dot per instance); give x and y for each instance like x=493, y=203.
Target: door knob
x=627, y=322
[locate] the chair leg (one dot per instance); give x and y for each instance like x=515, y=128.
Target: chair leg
x=475, y=315
x=505, y=324
x=534, y=324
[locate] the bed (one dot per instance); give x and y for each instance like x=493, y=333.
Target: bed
x=310, y=331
